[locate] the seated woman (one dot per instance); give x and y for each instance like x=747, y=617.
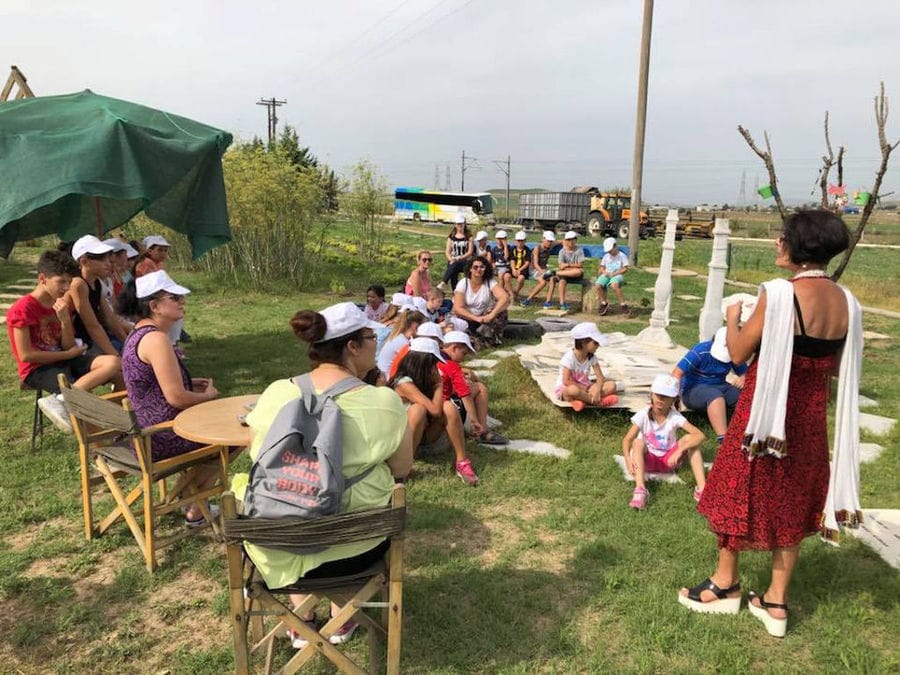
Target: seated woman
x=159, y=386
x=702, y=373
x=374, y=434
x=419, y=282
x=482, y=302
x=419, y=384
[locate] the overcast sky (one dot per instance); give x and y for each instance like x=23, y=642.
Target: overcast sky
x=410, y=84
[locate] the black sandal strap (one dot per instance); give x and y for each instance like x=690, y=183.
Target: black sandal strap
x=708, y=585
x=767, y=605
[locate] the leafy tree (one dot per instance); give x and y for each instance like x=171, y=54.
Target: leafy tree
x=289, y=144
x=366, y=201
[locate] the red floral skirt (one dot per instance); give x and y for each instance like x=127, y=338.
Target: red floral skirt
x=772, y=503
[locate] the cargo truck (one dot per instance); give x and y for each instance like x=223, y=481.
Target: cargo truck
x=582, y=209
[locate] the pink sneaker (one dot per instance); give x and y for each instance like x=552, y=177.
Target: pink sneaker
x=465, y=471
x=609, y=400
x=639, y=499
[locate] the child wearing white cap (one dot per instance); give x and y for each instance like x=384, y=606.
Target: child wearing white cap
x=156, y=250
x=468, y=395
x=651, y=444
x=540, y=270
x=499, y=255
x=702, y=372
x=575, y=367
x=519, y=264
x=419, y=384
x=613, y=266
x=482, y=244
x=570, y=267
x=94, y=320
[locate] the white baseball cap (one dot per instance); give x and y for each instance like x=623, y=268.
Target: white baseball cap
x=457, y=323
x=131, y=251
x=89, y=244
x=501, y=234
x=158, y=281
x=430, y=329
x=401, y=299
x=115, y=244
x=481, y=235
x=608, y=244
x=521, y=235
x=460, y=218
x=155, y=240
x=340, y=319
x=458, y=337
x=571, y=234
x=588, y=329
x=665, y=385
x=719, y=349
x=425, y=345
x=549, y=236
x=420, y=304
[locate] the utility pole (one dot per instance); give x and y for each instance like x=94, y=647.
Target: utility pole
x=437, y=177
x=639, y=132
x=447, y=184
x=505, y=170
x=271, y=104
x=462, y=182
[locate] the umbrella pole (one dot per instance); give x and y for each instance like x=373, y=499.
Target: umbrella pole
x=99, y=210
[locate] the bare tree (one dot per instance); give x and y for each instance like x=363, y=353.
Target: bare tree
x=766, y=157
x=881, y=115
x=829, y=161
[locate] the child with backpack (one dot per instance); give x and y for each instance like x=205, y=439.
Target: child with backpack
x=575, y=367
x=651, y=445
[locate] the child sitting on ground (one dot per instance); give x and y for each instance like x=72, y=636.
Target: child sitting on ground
x=376, y=307
x=574, y=380
x=435, y=308
x=464, y=390
x=651, y=446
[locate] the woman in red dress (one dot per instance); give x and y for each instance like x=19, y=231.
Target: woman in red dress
x=770, y=494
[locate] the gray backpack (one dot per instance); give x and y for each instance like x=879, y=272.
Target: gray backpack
x=298, y=470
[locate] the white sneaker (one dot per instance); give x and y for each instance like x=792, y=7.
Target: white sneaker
x=442, y=286
x=53, y=407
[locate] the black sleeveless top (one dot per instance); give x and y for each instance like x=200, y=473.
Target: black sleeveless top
x=94, y=297
x=805, y=345
x=458, y=247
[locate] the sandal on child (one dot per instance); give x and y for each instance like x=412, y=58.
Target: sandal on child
x=775, y=627
x=722, y=605
x=577, y=405
x=639, y=499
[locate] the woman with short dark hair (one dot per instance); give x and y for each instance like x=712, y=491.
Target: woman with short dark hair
x=771, y=485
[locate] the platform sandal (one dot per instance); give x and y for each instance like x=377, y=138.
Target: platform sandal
x=722, y=605
x=775, y=627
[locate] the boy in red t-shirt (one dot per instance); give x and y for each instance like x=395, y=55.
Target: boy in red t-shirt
x=470, y=398
x=43, y=341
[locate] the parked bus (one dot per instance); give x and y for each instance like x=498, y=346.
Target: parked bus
x=434, y=205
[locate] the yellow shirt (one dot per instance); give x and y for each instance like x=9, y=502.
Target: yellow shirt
x=373, y=424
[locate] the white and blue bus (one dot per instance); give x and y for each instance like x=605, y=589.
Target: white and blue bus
x=412, y=203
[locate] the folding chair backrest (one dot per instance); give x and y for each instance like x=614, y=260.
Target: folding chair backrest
x=100, y=413
x=290, y=533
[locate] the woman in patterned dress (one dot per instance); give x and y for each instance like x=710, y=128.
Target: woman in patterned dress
x=771, y=495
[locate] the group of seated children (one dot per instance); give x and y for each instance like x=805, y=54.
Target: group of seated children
x=69, y=324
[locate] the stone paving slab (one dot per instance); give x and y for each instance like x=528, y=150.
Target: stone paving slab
x=880, y=529
x=688, y=297
x=502, y=353
x=5, y=305
x=676, y=272
x=533, y=448
x=10, y=296
x=2, y=320
x=876, y=424
x=866, y=402
x=869, y=452
x=482, y=374
x=481, y=363
x=872, y=335
x=649, y=475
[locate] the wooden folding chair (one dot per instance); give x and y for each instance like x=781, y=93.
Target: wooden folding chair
x=252, y=601
x=114, y=450
x=37, y=418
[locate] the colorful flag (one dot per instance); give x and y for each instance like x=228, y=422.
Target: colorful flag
x=837, y=190
x=765, y=191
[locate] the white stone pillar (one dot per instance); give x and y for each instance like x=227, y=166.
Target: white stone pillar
x=656, y=333
x=711, y=314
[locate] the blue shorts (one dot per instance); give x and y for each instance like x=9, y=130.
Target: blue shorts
x=700, y=396
x=605, y=281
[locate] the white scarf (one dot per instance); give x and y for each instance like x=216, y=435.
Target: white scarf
x=765, y=428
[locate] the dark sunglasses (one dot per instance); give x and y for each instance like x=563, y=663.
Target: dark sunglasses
x=427, y=259
x=176, y=298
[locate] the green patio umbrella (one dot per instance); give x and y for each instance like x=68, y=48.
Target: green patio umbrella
x=84, y=164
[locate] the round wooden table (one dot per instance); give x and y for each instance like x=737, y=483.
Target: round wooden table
x=216, y=422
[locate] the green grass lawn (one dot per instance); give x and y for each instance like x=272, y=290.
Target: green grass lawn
x=542, y=568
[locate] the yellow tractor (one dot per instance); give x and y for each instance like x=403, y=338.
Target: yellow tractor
x=610, y=214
